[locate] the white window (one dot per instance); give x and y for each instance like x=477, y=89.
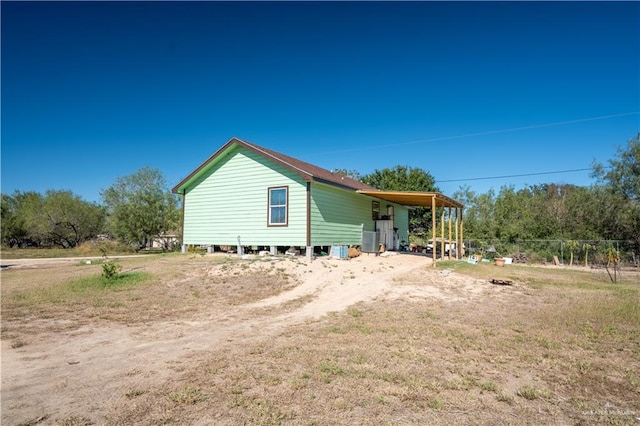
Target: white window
x=278, y=206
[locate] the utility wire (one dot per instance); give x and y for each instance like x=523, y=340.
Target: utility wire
x=490, y=132
x=515, y=129
x=512, y=176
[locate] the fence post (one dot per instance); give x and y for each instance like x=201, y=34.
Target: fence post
x=561, y=252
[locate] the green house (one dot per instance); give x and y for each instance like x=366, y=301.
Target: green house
x=248, y=195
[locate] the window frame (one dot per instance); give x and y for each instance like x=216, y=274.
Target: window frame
x=375, y=210
x=270, y=223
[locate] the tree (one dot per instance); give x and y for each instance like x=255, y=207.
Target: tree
x=484, y=212
x=353, y=174
x=551, y=210
x=514, y=212
x=14, y=230
x=613, y=259
x=479, y=218
x=67, y=220
x=623, y=177
x=583, y=218
x=621, y=195
x=404, y=178
x=140, y=207
x=572, y=246
x=19, y=219
x=57, y=218
x=586, y=247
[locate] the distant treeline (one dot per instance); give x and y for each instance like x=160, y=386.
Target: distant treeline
x=608, y=210
x=550, y=212
x=139, y=207
x=135, y=210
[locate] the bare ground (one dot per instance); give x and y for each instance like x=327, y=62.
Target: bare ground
x=288, y=341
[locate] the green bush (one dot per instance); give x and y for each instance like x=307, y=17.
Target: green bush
x=110, y=269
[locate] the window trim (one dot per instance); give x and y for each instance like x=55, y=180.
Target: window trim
x=286, y=206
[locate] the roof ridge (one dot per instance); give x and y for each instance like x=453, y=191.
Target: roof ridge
x=308, y=171
x=290, y=161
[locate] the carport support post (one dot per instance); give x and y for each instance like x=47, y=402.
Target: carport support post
x=433, y=229
x=451, y=245
x=442, y=234
x=458, y=245
x=462, y=227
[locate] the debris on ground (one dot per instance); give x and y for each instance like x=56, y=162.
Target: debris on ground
x=389, y=253
x=501, y=281
x=353, y=252
x=519, y=257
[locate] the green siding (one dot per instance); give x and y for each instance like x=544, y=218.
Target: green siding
x=231, y=200
x=338, y=217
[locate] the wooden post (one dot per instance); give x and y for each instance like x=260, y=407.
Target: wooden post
x=457, y=226
x=458, y=246
x=433, y=229
x=450, y=245
x=462, y=227
x=442, y=234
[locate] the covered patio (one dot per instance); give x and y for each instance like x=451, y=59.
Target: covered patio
x=451, y=213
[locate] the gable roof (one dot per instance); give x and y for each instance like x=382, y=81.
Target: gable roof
x=307, y=171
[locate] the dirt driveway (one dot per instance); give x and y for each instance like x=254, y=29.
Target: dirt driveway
x=66, y=369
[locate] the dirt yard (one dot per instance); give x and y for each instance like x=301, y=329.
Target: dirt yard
x=373, y=340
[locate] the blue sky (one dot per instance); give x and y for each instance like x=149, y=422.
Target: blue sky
x=93, y=91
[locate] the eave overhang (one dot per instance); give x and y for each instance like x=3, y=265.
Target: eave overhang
x=414, y=199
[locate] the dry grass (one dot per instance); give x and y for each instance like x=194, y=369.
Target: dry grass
x=561, y=347
x=559, y=354
x=149, y=289
x=111, y=248
x=414, y=363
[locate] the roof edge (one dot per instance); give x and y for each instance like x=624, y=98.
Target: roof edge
x=290, y=163
x=393, y=196
x=183, y=182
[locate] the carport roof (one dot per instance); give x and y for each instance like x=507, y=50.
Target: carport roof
x=415, y=199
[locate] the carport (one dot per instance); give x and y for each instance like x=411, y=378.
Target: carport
x=451, y=212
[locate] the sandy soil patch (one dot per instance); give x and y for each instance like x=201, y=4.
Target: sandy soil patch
x=86, y=369
x=65, y=370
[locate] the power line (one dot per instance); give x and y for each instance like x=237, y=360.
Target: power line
x=490, y=132
x=512, y=176
x=515, y=129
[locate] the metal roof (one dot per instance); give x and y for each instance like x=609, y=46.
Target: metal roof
x=310, y=172
x=307, y=171
x=415, y=199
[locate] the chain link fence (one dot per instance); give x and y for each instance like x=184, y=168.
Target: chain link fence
x=576, y=252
